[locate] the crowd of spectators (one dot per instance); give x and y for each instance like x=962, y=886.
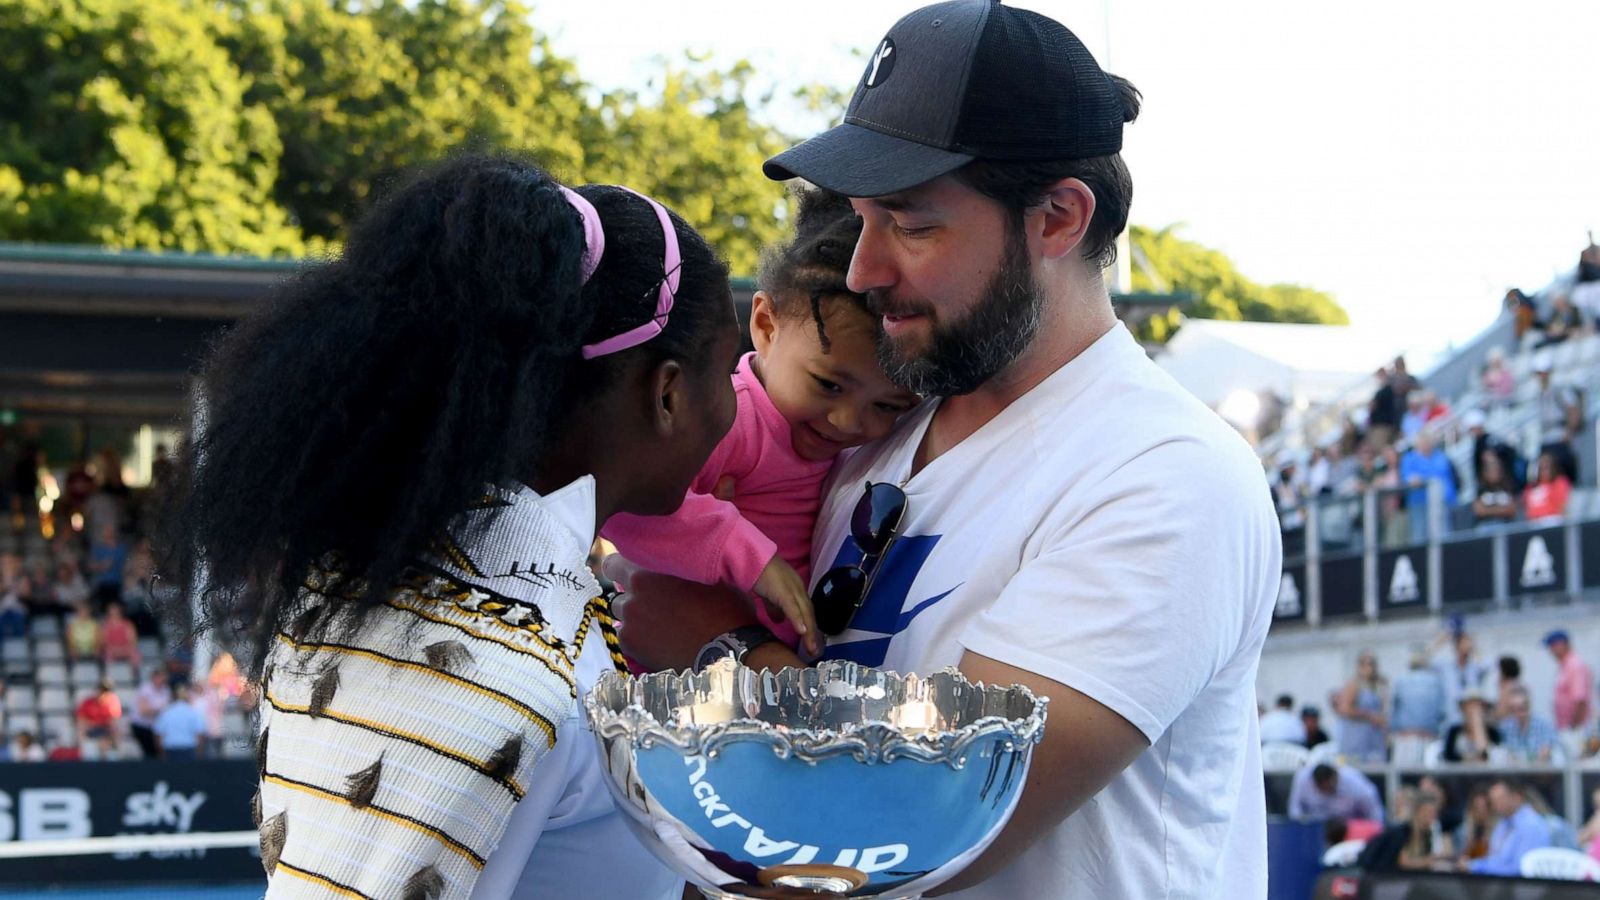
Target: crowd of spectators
x=169, y=717
x=1450, y=707
x=1401, y=453
x=1488, y=832
x=77, y=573
x=1400, y=444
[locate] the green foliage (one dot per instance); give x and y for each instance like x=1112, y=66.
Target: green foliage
x=699, y=150
x=362, y=92
x=124, y=123
x=1218, y=289
x=264, y=126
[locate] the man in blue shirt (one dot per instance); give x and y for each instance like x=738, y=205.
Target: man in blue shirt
x=180, y=727
x=1459, y=671
x=1527, y=736
x=1416, y=711
x=1521, y=829
x=1425, y=463
x=1418, y=699
x=1325, y=792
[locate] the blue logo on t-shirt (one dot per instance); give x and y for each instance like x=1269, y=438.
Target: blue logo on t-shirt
x=884, y=614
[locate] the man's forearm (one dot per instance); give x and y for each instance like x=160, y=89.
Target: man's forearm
x=773, y=655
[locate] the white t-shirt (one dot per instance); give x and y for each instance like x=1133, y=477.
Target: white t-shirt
x=1108, y=532
x=1279, y=726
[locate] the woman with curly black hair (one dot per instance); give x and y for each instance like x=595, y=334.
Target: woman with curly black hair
x=398, y=468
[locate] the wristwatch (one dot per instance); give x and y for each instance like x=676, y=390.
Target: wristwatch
x=736, y=643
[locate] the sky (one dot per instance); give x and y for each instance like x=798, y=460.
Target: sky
x=1414, y=158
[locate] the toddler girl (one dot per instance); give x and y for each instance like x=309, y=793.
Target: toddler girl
x=812, y=389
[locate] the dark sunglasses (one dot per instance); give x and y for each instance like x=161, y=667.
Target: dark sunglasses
x=874, y=526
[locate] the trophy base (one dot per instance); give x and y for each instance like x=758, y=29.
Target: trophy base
x=798, y=881
x=716, y=894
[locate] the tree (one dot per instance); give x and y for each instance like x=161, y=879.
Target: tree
x=1167, y=263
x=123, y=123
x=699, y=149
x=264, y=126
x=362, y=92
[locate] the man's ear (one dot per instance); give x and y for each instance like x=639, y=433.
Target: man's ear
x=669, y=397
x=763, y=322
x=1068, y=209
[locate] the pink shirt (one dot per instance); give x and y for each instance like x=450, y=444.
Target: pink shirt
x=1574, y=684
x=776, y=498
x=120, y=641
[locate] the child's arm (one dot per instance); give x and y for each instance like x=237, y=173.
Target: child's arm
x=707, y=540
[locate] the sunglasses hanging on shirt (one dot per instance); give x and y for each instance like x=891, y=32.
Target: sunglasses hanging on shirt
x=874, y=526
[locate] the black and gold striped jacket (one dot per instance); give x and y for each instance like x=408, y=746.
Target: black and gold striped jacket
x=393, y=752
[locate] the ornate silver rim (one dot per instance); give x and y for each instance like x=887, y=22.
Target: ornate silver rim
x=619, y=708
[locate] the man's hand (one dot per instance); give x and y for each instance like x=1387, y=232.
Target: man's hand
x=786, y=598
x=1085, y=746
x=664, y=621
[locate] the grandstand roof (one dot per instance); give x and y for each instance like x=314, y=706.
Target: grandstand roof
x=95, y=333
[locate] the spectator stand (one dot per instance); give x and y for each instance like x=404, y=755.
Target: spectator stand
x=1566, y=789
x=1561, y=864
x=1350, y=567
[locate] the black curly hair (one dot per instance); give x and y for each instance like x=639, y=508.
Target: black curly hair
x=377, y=394
x=810, y=270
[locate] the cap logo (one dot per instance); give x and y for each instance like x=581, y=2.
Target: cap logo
x=881, y=65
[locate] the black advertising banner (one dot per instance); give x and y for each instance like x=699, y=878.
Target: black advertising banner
x=1538, y=561
x=1467, y=574
x=66, y=800
x=1589, y=541
x=1403, y=580
x=1340, y=883
x=1342, y=580
x=1291, y=593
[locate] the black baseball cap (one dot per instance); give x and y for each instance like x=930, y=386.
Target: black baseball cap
x=958, y=81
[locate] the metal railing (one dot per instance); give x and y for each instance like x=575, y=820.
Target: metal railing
x=1565, y=788
x=1375, y=557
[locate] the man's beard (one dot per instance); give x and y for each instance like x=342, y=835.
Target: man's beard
x=968, y=352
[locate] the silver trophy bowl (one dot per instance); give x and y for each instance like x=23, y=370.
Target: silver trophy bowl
x=837, y=778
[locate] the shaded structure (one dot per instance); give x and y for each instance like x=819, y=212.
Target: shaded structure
x=111, y=337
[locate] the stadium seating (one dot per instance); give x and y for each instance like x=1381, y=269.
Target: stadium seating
x=1279, y=757
x=1560, y=864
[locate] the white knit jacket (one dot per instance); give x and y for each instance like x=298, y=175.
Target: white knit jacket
x=392, y=753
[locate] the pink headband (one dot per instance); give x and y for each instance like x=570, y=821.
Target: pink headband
x=594, y=245
x=594, y=238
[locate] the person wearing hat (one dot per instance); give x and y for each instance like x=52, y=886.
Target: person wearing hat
x=1496, y=499
x=1311, y=722
x=1470, y=739
x=1574, y=692
x=1418, y=709
x=1073, y=520
x=1498, y=381
x=1476, y=424
x=1560, y=417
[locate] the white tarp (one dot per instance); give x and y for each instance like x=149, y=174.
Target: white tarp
x=1304, y=364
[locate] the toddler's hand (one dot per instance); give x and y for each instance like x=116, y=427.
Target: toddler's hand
x=785, y=595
